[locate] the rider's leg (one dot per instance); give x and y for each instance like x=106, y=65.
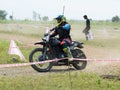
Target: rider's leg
x=66, y=49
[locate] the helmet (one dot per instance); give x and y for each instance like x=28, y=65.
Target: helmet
x=61, y=18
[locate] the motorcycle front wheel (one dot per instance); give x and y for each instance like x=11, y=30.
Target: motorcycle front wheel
x=37, y=56
x=79, y=64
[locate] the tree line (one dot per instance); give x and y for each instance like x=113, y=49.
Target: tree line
x=36, y=16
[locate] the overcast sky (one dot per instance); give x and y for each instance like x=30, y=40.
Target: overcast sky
x=74, y=9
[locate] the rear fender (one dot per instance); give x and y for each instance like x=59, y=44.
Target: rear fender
x=76, y=44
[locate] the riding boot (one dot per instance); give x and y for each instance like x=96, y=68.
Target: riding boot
x=68, y=52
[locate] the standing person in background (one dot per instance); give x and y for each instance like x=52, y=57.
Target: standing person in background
x=87, y=28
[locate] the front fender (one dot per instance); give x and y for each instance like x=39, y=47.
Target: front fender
x=39, y=43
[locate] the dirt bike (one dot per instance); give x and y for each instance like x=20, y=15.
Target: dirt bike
x=50, y=51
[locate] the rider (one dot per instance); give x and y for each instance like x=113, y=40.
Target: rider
x=63, y=31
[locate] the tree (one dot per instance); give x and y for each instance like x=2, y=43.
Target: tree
x=34, y=15
x=11, y=17
x=3, y=15
x=45, y=18
x=39, y=17
x=115, y=19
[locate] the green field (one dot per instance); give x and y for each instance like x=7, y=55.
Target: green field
x=96, y=76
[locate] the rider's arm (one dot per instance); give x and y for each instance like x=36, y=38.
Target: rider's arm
x=53, y=28
x=53, y=33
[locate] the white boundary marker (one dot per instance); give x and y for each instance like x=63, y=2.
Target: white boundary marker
x=14, y=49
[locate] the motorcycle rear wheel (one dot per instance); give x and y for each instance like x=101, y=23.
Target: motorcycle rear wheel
x=37, y=56
x=79, y=64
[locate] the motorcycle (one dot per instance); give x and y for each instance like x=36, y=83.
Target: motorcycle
x=49, y=50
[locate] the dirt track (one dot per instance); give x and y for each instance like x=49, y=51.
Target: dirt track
x=101, y=68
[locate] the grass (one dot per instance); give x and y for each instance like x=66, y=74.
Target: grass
x=107, y=41
x=4, y=51
x=58, y=81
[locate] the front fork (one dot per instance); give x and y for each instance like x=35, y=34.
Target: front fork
x=44, y=52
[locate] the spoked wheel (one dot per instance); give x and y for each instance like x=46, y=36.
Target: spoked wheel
x=37, y=56
x=79, y=64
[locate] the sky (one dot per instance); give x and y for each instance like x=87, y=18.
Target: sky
x=74, y=9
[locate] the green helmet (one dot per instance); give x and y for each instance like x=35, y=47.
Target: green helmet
x=61, y=18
